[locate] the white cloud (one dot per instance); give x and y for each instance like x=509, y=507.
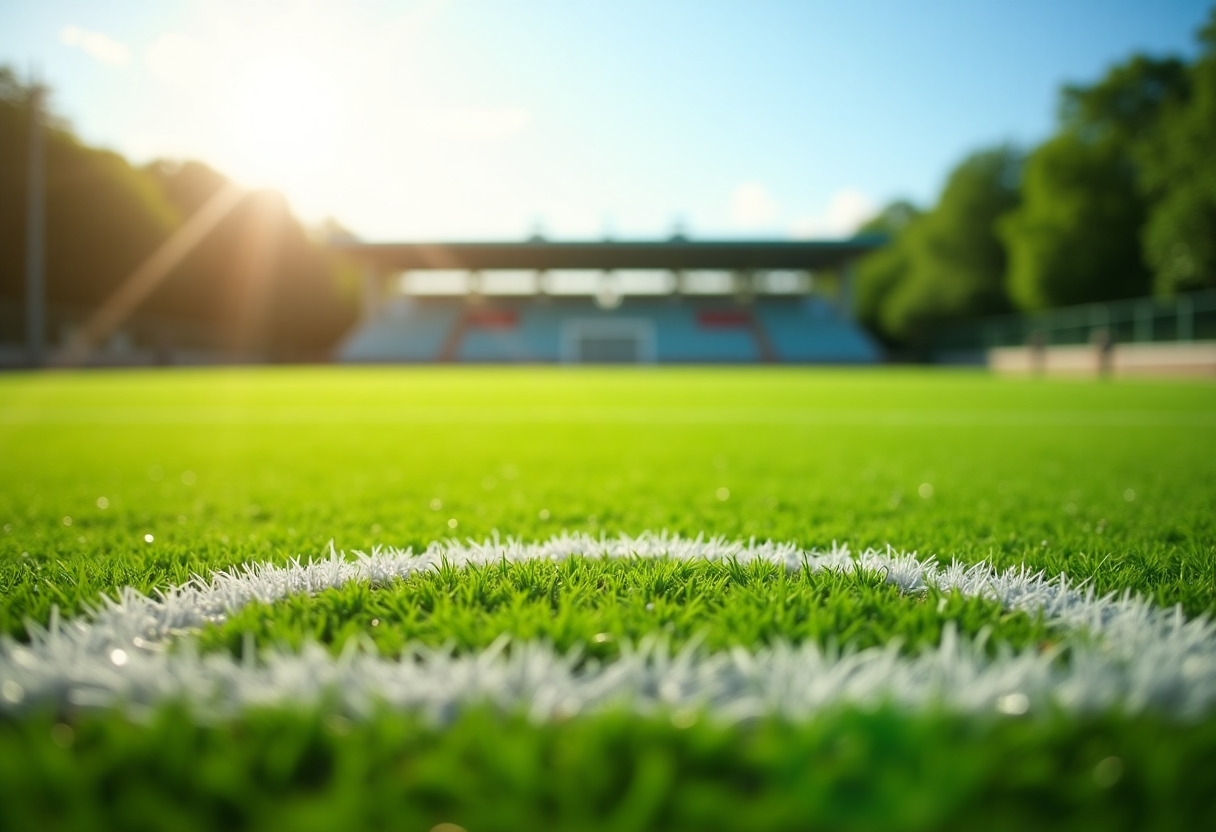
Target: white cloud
x=96, y=45
x=847, y=209
x=177, y=59
x=475, y=125
x=752, y=206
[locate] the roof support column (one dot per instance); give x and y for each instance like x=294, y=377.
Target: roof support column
x=844, y=298
x=745, y=286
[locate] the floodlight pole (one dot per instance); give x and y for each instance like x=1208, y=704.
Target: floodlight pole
x=35, y=233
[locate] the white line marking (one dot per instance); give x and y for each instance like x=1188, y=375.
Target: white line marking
x=1135, y=656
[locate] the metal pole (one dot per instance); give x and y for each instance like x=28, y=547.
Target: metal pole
x=1186, y=318
x=1144, y=321
x=35, y=233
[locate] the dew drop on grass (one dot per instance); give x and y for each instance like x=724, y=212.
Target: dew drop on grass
x=723, y=494
x=103, y=503
x=149, y=538
x=8, y=527
x=156, y=473
x=376, y=528
x=452, y=523
x=337, y=725
x=62, y=735
x=12, y=692
x=436, y=504
x=544, y=514
x=375, y=622
x=1128, y=495
x=925, y=490
x=118, y=656
x=1070, y=508
x=67, y=521
x=1014, y=704
x=488, y=483
x=189, y=478
x=684, y=718
x=1108, y=771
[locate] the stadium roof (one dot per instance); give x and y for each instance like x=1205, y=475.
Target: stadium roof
x=675, y=254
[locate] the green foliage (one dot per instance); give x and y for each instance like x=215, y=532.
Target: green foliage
x=103, y=217
x=947, y=264
x=600, y=605
x=1075, y=237
x=1120, y=201
x=879, y=273
x=256, y=284
x=256, y=276
x=1179, y=170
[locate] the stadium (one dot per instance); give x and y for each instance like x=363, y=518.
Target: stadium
x=749, y=303
x=331, y=498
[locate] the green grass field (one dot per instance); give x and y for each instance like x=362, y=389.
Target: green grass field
x=144, y=479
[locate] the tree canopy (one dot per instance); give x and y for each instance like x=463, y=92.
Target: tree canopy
x=1178, y=164
x=947, y=263
x=256, y=283
x=1075, y=237
x=1119, y=202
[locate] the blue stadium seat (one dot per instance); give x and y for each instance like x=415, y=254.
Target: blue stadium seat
x=809, y=330
x=684, y=330
x=405, y=330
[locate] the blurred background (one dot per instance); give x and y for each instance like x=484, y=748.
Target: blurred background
x=1030, y=185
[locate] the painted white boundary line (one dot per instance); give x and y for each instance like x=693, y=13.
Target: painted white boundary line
x=1135, y=656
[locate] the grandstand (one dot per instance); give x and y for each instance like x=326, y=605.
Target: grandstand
x=735, y=302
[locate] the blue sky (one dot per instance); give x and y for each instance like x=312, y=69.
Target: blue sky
x=475, y=118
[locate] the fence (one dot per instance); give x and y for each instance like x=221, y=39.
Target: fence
x=1183, y=317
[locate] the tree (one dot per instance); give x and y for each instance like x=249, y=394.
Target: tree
x=880, y=272
x=103, y=216
x=257, y=283
x=1179, y=174
x=949, y=263
x=1075, y=237
x=257, y=275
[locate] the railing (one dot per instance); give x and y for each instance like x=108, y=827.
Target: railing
x=1183, y=317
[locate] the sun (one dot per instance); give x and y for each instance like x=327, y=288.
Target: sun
x=285, y=120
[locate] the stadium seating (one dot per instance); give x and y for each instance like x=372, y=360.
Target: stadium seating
x=684, y=330
x=404, y=330
x=809, y=330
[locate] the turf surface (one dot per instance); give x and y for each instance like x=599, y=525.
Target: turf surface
x=145, y=478
x=599, y=606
